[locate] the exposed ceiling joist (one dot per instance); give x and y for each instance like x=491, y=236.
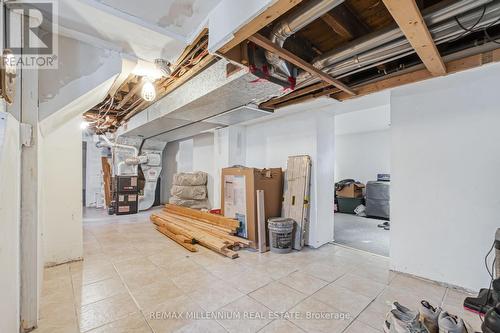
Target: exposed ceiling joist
x=274, y=11
x=325, y=92
x=337, y=26
x=423, y=74
x=128, y=96
x=408, y=17
x=294, y=94
x=292, y=58
x=191, y=46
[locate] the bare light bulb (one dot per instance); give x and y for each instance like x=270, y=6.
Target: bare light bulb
x=148, y=91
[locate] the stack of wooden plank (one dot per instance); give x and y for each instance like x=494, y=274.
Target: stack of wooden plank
x=188, y=227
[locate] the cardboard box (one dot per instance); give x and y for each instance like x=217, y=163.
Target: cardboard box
x=351, y=191
x=239, y=197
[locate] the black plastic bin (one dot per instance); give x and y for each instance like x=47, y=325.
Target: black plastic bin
x=348, y=205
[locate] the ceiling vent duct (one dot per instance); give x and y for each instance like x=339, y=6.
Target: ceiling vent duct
x=209, y=100
x=291, y=25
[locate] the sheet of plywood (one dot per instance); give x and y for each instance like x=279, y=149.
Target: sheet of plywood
x=296, y=198
x=106, y=176
x=261, y=221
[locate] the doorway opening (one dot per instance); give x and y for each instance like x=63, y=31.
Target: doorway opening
x=362, y=178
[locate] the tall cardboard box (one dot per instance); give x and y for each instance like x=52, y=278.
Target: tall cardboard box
x=239, y=197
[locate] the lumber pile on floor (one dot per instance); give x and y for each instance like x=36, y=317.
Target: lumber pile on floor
x=188, y=227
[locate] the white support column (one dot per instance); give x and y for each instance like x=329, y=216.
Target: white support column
x=29, y=204
x=229, y=150
x=324, y=165
x=25, y=108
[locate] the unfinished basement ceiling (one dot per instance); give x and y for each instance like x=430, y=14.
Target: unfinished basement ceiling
x=348, y=43
x=354, y=42
x=122, y=104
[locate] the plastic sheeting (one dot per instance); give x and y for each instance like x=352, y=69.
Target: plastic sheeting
x=190, y=179
x=189, y=192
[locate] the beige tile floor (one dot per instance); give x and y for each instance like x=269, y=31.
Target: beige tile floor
x=133, y=279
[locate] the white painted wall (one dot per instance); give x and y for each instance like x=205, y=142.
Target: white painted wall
x=363, y=142
x=361, y=156
x=229, y=16
x=61, y=197
x=230, y=150
x=270, y=142
x=203, y=160
x=361, y=118
x=83, y=79
x=10, y=223
x=445, y=176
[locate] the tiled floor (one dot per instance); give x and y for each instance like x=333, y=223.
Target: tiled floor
x=133, y=279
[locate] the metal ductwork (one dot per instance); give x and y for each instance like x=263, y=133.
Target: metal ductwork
x=431, y=16
x=381, y=46
x=291, y=25
x=151, y=166
x=209, y=100
x=391, y=43
x=441, y=33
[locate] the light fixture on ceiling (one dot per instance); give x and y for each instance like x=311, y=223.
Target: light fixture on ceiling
x=148, y=90
x=163, y=66
x=84, y=125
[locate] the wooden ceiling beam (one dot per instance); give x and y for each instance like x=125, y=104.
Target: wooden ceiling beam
x=336, y=26
x=190, y=47
x=410, y=21
x=270, y=14
x=294, y=94
x=453, y=66
x=325, y=92
x=130, y=94
x=292, y=58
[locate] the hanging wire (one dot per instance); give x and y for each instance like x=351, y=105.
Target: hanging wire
x=468, y=31
x=471, y=29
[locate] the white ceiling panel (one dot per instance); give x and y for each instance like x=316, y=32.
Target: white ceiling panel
x=183, y=17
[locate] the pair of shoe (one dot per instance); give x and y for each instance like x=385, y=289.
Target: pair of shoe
x=428, y=320
x=385, y=226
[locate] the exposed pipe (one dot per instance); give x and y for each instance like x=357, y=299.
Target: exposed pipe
x=117, y=145
x=292, y=24
x=378, y=52
x=431, y=16
x=120, y=165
